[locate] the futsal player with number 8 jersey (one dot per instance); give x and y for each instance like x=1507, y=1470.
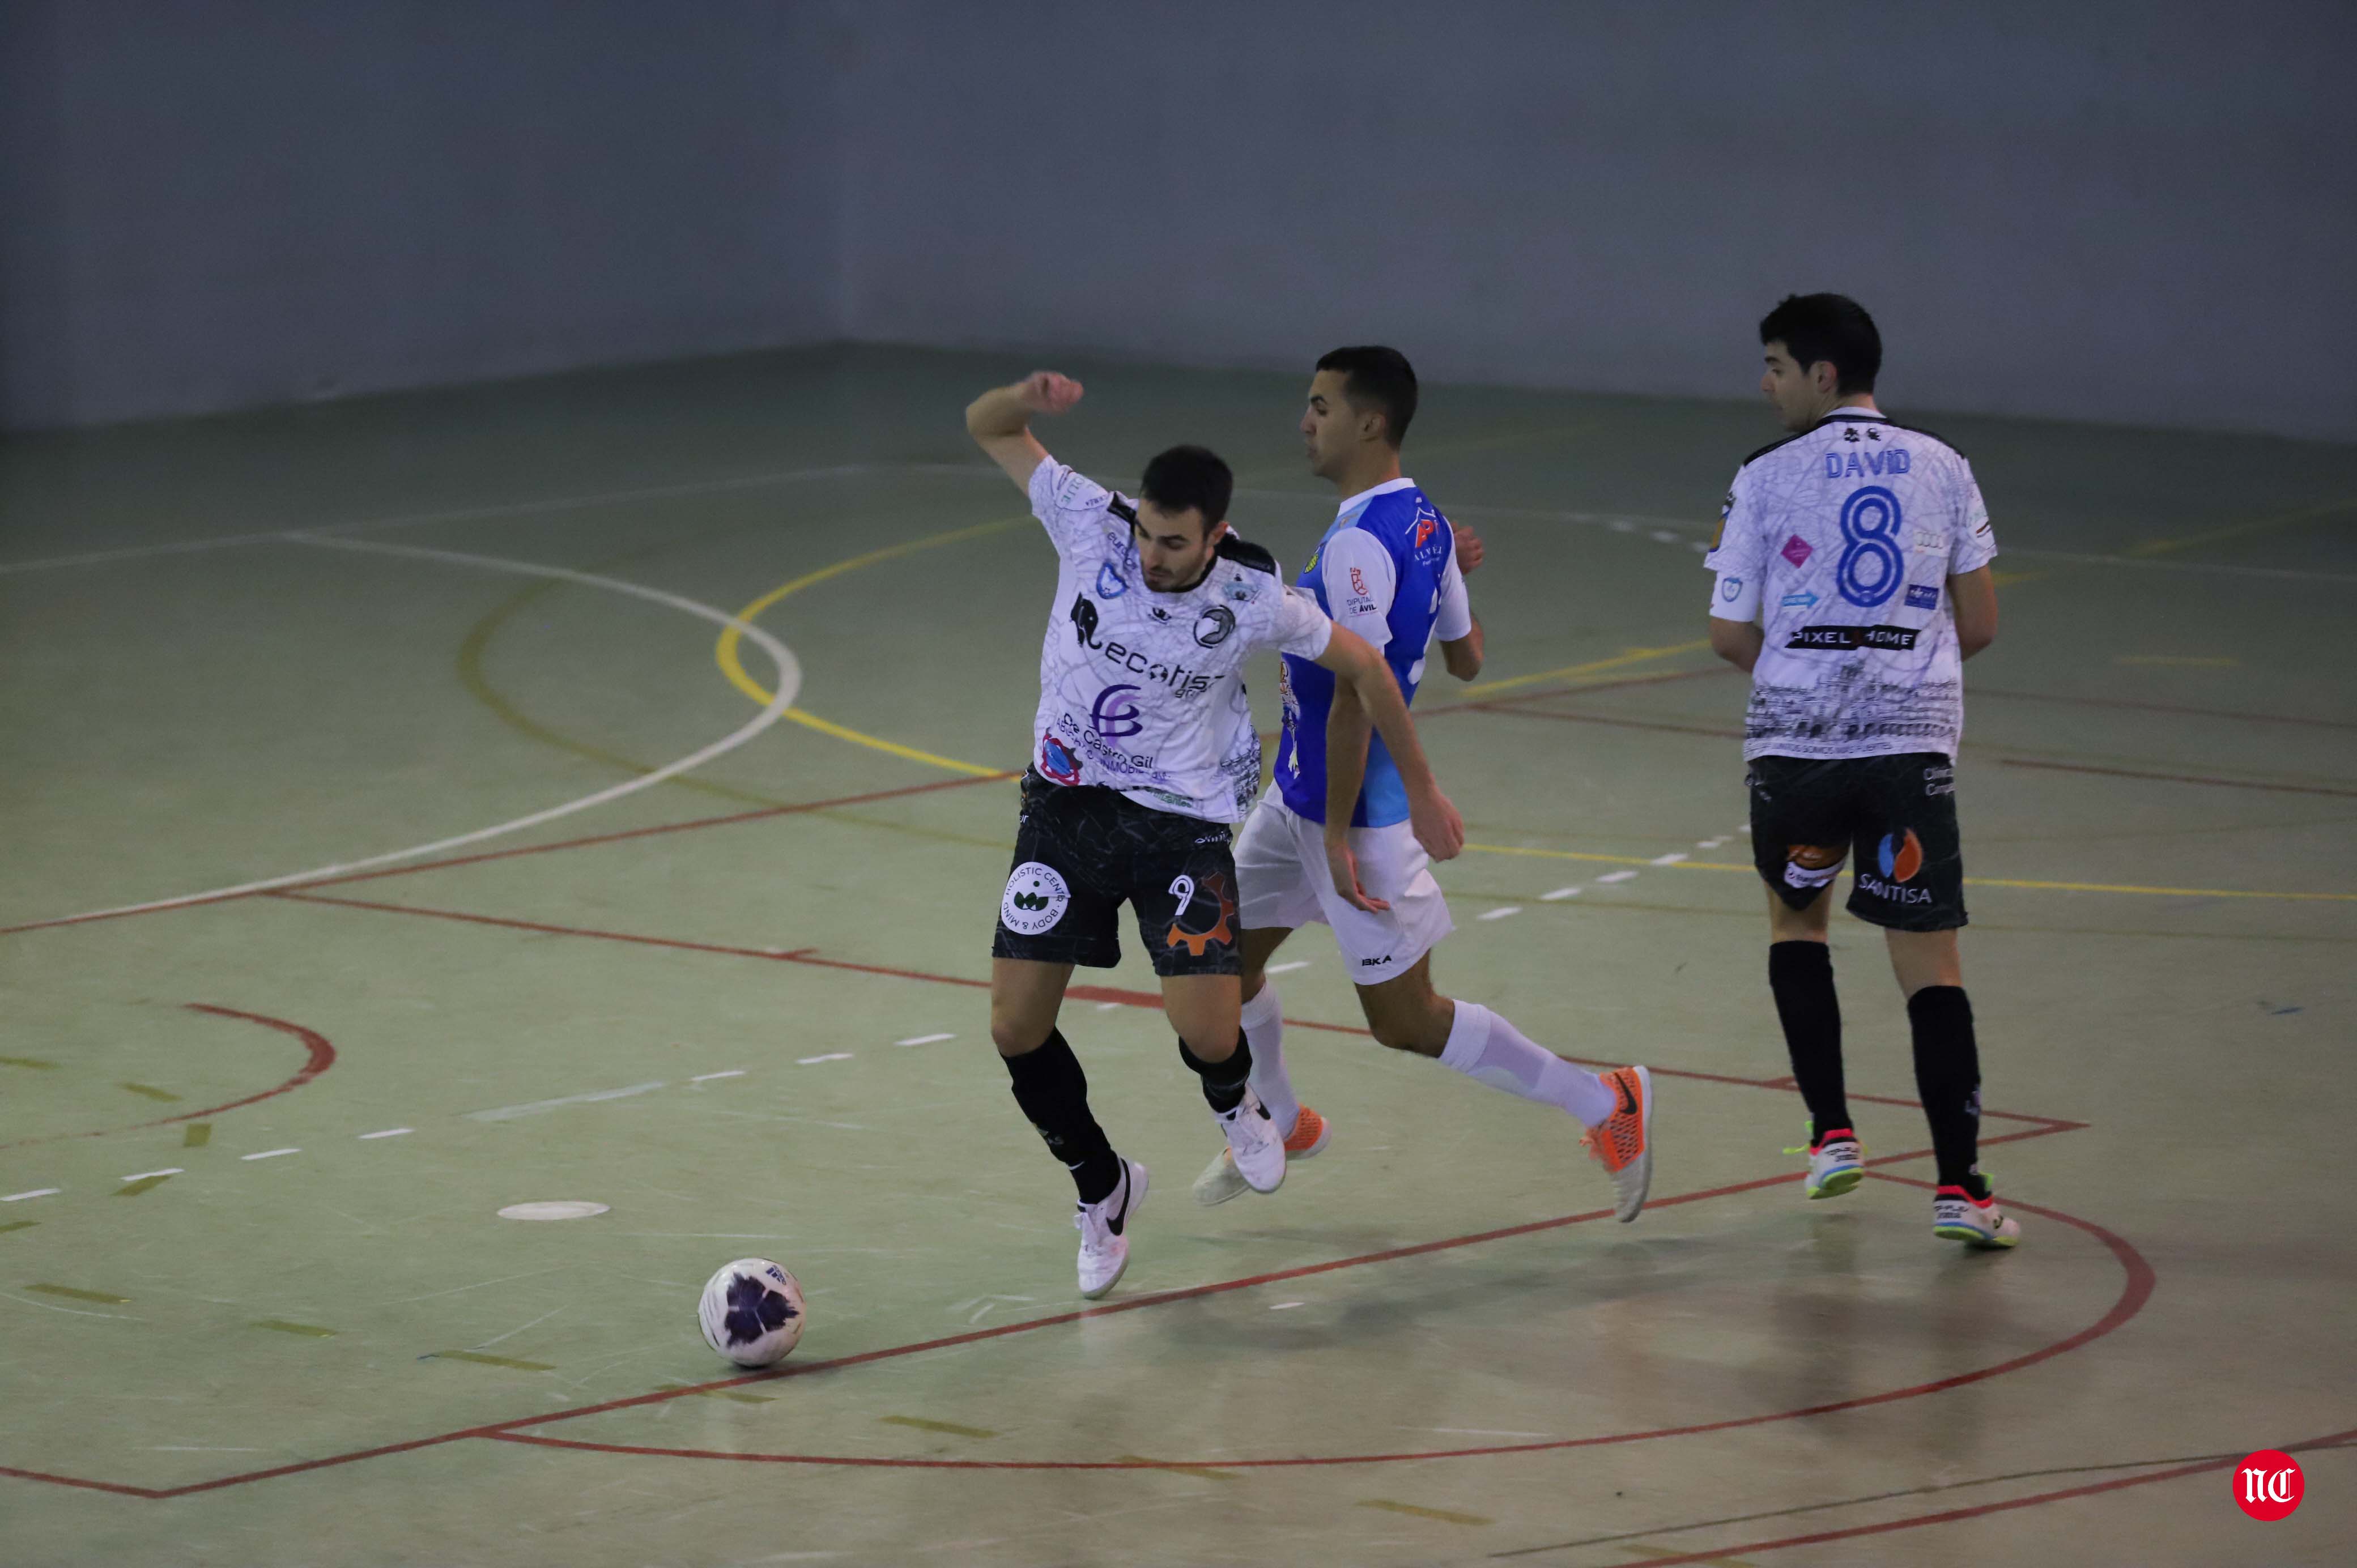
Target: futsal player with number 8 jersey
x=1852, y=581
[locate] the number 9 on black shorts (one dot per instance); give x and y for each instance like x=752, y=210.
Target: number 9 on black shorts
x=1897, y=814
x=1082, y=852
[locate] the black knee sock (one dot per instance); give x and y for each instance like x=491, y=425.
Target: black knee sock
x=1802, y=976
x=1948, y=1077
x=1223, y=1081
x=1054, y=1093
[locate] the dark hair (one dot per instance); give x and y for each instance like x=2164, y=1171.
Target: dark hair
x=1189, y=478
x=1814, y=327
x=1374, y=375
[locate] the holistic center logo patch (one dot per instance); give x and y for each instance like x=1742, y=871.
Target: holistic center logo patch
x=1035, y=899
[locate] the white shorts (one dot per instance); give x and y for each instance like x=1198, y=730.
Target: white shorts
x=1282, y=881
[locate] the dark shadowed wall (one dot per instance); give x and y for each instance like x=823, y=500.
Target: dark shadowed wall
x=2138, y=213
x=219, y=204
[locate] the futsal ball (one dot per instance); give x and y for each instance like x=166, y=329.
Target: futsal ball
x=752, y=1311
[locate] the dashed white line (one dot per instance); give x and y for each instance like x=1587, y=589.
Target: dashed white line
x=1282, y=1305
x=708, y=1077
x=1502, y=912
x=37, y=1192
x=1663, y=536
x=1670, y=859
x=1559, y=894
x=143, y=1176
x=1621, y=525
x=830, y=1057
x=1710, y=843
x=924, y=1040
x=269, y=1153
x=509, y=1112
x=1617, y=876
x=1287, y=968
x=388, y=1132
x=1107, y=1006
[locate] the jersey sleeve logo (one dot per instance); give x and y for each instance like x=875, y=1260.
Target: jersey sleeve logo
x=1215, y=626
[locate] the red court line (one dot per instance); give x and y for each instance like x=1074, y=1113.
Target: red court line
x=1979, y=692
x=1949, y=1516
x=512, y=1429
x=115, y=1487
x=2135, y=1291
x=1077, y=992
x=687, y=826
x=322, y=1057
x=2178, y=778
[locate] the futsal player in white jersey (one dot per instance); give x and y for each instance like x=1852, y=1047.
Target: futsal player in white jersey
x=1330, y=843
x=1143, y=752
x=1852, y=581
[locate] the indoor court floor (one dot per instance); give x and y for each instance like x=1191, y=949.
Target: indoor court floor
x=590, y=789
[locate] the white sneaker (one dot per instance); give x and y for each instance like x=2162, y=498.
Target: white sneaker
x=1104, y=1231
x=1254, y=1143
x=1975, y=1221
x=1835, y=1165
x=1219, y=1181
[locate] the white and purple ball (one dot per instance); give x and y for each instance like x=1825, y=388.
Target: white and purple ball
x=752, y=1311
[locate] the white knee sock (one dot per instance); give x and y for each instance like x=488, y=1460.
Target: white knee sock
x=1488, y=1049
x=1264, y=1019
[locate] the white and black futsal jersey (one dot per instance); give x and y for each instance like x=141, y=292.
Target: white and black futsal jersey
x=1840, y=540
x=1141, y=692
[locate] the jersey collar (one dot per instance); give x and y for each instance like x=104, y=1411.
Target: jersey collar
x=1850, y=416
x=1363, y=496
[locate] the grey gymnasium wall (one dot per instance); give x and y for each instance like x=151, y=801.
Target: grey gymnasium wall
x=2126, y=212
x=2108, y=212
x=235, y=202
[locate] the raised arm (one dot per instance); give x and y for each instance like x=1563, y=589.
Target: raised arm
x=1000, y=421
x=1355, y=665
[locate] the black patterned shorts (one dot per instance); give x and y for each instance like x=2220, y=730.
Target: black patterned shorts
x=1897, y=813
x=1080, y=852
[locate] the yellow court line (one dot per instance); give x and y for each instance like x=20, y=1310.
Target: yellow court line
x=2281, y=520
x=725, y=651
x=1969, y=881
x=1633, y=656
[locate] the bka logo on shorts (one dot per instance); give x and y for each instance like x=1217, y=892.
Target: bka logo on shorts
x=1035, y=899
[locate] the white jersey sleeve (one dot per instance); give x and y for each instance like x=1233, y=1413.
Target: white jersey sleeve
x=1740, y=559
x=1298, y=626
x=1361, y=576
x=1071, y=505
x=1454, y=619
x=1975, y=544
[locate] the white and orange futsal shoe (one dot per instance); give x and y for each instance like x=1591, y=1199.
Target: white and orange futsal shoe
x=1623, y=1143
x=1221, y=1181
x=1958, y=1216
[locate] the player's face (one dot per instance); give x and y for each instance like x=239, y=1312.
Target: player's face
x=1801, y=398
x=1330, y=427
x=1174, y=548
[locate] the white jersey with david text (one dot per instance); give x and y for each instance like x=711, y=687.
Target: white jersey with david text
x=1840, y=540
x=1142, y=691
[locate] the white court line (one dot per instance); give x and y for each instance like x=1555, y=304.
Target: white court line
x=1558, y=895
x=388, y=1132
x=1670, y=859
x=924, y=1040
x=37, y=1192
x=485, y=513
x=830, y=1057
x=509, y=1112
x=269, y=1153
x=1501, y=913
x=708, y=1077
x=1617, y=876
x=1282, y=968
x=789, y=680
x=143, y=1176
